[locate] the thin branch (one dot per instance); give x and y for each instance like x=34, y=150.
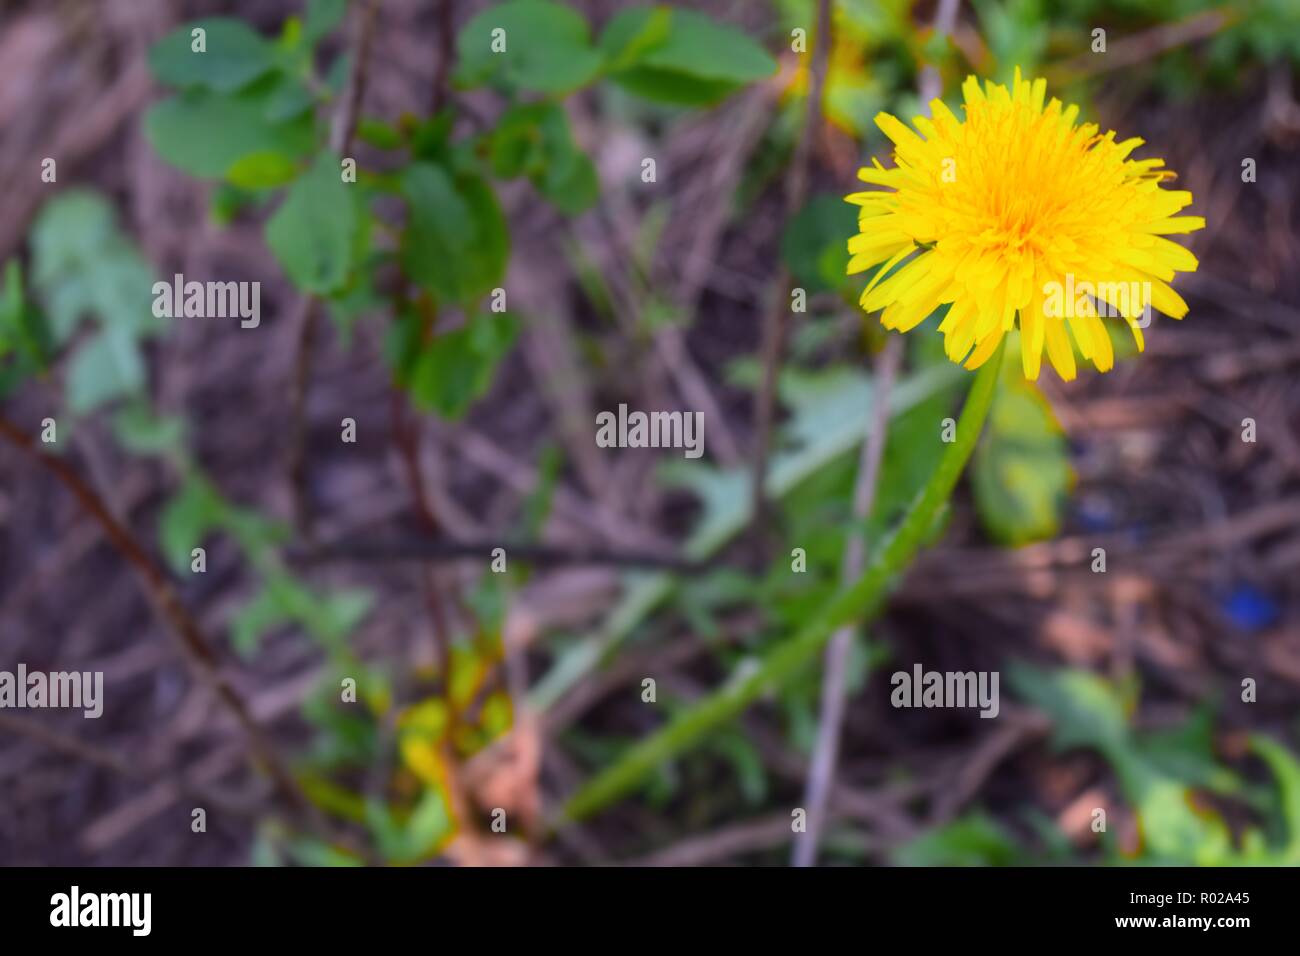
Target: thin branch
x=194, y=645
x=1146, y=46
x=306, y=311
x=446, y=39
x=670, y=344
x=66, y=744
x=304, y=318
x=407, y=433
x=408, y=443
x=442, y=550
x=821, y=771
x=349, y=110
x=729, y=842
x=669, y=340
x=774, y=321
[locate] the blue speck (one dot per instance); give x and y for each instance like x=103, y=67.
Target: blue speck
x=1095, y=516
x=1248, y=608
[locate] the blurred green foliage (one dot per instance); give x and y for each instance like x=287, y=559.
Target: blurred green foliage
x=1021, y=473
x=1169, y=779
x=83, y=268
x=249, y=113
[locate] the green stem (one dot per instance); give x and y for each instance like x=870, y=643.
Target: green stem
x=860, y=600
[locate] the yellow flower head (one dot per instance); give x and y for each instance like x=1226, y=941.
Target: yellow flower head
x=1016, y=211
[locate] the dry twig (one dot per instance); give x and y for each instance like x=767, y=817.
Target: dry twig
x=194, y=645
x=306, y=311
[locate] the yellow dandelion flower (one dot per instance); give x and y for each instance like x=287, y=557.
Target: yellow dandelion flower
x=1017, y=213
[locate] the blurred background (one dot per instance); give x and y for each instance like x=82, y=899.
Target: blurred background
x=374, y=684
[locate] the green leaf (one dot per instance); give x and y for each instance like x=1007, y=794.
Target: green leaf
x=419, y=837
x=1173, y=829
x=329, y=618
x=143, y=432
x=82, y=266
x=572, y=187
x=975, y=839
x=1186, y=751
x=289, y=46
x=13, y=373
x=229, y=201
x=1086, y=710
x=254, y=532
x=679, y=89
x=323, y=16
x=700, y=60
x=547, y=48
x=75, y=258
x=453, y=370
x=1017, y=33
x=205, y=134
x=12, y=304
x=814, y=244
x=310, y=851
x=431, y=138
x=71, y=228
x=23, y=329
x=108, y=366
x=378, y=134
x=428, y=826
x=356, y=299
x=455, y=244
x=287, y=99
x=235, y=56
x=264, y=170
x=1021, y=475
x=1286, y=770
x=312, y=233
x=701, y=47
x=534, y=140
x=263, y=613
x=633, y=33
x=337, y=615
x=518, y=146
x=196, y=510
x=1089, y=711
